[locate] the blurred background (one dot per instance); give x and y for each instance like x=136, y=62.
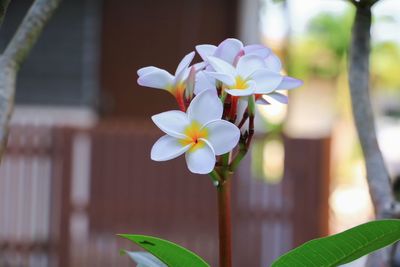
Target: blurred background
x=77, y=169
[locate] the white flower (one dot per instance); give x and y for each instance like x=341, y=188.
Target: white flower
x=200, y=133
x=161, y=79
x=230, y=50
x=227, y=50
x=273, y=63
x=250, y=76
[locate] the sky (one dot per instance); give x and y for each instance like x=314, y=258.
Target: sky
x=273, y=24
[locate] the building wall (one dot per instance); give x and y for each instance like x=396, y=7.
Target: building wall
x=61, y=70
x=153, y=32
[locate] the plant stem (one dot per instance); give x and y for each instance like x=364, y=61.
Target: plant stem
x=240, y=155
x=224, y=220
x=215, y=178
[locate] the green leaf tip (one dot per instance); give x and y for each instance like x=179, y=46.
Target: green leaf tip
x=344, y=247
x=169, y=253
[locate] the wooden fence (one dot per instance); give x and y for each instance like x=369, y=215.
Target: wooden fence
x=65, y=193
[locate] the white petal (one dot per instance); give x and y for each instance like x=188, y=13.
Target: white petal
x=166, y=148
x=185, y=62
x=181, y=76
x=257, y=49
x=221, y=66
x=203, y=82
x=273, y=63
x=248, y=64
x=224, y=78
x=266, y=80
x=200, y=65
x=159, y=78
x=145, y=259
x=262, y=101
x=222, y=135
x=228, y=49
x=205, y=50
x=145, y=70
x=279, y=97
x=288, y=83
x=241, y=108
x=172, y=122
x=205, y=107
x=201, y=160
x=240, y=92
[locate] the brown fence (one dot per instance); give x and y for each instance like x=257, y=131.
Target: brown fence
x=25, y=197
x=65, y=193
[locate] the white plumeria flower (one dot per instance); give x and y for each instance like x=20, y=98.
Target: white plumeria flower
x=250, y=76
x=230, y=49
x=200, y=133
x=273, y=63
x=161, y=79
x=227, y=50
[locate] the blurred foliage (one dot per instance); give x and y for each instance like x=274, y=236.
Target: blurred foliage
x=332, y=32
x=321, y=52
x=385, y=67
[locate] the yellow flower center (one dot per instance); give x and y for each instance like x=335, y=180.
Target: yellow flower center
x=194, y=133
x=240, y=83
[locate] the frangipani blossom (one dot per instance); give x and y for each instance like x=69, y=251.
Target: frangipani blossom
x=287, y=83
x=230, y=50
x=273, y=63
x=161, y=79
x=227, y=50
x=200, y=133
x=250, y=75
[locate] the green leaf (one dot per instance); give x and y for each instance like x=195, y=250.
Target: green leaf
x=171, y=254
x=344, y=247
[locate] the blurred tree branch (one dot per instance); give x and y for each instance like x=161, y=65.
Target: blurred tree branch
x=16, y=52
x=377, y=174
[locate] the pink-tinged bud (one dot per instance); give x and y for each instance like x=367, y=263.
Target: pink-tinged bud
x=240, y=54
x=190, y=84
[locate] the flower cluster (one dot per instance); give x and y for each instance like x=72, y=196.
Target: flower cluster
x=208, y=94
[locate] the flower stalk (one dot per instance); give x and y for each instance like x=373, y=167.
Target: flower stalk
x=224, y=220
x=210, y=95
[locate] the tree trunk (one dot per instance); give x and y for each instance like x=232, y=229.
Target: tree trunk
x=377, y=175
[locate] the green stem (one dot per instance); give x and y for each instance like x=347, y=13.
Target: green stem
x=251, y=106
x=223, y=96
x=241, y=154
x=215, y=178
x=225, y=160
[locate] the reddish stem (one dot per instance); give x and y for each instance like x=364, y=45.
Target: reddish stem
x=233, y=110
x=251, y=131
x=224, y=222
x=244, y=118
